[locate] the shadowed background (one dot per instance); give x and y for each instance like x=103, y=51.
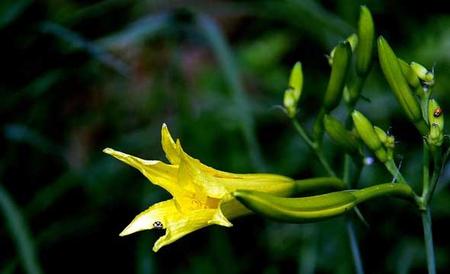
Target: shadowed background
x=79, y=76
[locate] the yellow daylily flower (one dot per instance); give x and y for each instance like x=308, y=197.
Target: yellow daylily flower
x=201, y=194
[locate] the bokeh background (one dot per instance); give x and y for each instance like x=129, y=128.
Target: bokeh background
x=79, y=76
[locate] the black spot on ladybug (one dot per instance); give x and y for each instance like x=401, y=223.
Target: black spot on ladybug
x=158, y=225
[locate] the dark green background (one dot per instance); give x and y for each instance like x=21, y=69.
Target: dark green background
x=78, y=76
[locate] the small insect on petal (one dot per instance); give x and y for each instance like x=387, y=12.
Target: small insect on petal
x=158, y=225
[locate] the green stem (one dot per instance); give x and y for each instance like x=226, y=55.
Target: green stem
x=318, y=127
x=314, y=146
x=355, y=90
x=392, y=168
x=400, y=190
x=356, y=254
x=425, y=171
x=437, y=168
x=428, y=237
x=306, y=185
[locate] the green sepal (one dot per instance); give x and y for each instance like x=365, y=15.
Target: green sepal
x=366, y=38
x=340, y=135
x=394, y=76
x=339, y=70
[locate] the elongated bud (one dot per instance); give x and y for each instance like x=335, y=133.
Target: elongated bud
x=409, y=74
x=425, y=75
x=290, y=102
x=436, y=120
x=293, y=93
x=296, y=80
x=297, y=210
x=369, y=136
x=352, y=39
x=366, y=35
x=394, y=76
x=387, y=140
x=339, y=70
x=337, y=132
x=319, y=207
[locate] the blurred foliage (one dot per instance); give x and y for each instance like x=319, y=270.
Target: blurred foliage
x=78, y=76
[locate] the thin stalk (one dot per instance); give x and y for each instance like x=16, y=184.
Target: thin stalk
x=356, y=254
x=428, y=237
x=403, y=191
x=392, y=168
x=425, y=172
x=355, y=89
x=317, y=150
x=437, y=160
x=354, y=247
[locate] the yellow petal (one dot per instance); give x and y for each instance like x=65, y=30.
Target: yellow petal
x=169, y=146
x=157, y=172
x=149, y=218
x=271, y=183
x=179, y=226
x=220, y=219
x=197, y=181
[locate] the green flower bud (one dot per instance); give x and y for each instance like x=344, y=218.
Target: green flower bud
x=290, y=102
x=366, y=35
x=296, y=80
x=425, y=75
x=297, y=210
x=394, y=76
x=436, y=120
x=387, y=140
x=352, y=39
x=318, y=207
x=369, y=136
x=409, y=74
x=339, y=70
x=337, y=132
x=293, y=93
